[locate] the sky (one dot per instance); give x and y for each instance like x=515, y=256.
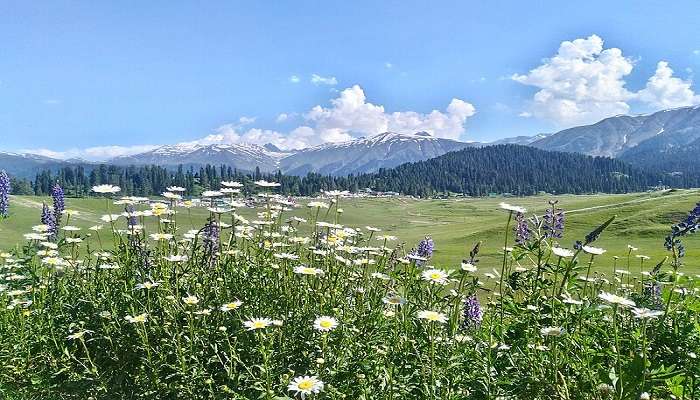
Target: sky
x=97, y=79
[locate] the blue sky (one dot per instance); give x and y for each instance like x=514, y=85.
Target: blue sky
x=83, y=74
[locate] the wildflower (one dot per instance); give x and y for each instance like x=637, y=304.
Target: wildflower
x=644, y=396
x=552, y=331
x=615, y=299
x=553, y=225
x=139, y=318
x=49, y=221
x=394, y=300
x=593, y=250
x=257, y=323
x=303, y=270
x=305, y=385
x=106, y=189
x=468, y=267
x=147, y=285
x=175, y=189
x=432, y=316
x=161, y=236
x=472, y=312
x=645, y=313
x=263, y=183
x=425, y=248
x=231, y=306
x=561, y=252
x=59, y=202
x=231, y=184
x=5, y=190
x=190, y=300
x=211, y=193
x=211, y=240
x=380, y=276
x=508, y=207
x=172, y=196
x=522, y=230
x=435, y=276
x=317, y=204
x=325, y=324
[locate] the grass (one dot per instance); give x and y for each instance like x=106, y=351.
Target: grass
x=238, y=313
x=643, y=219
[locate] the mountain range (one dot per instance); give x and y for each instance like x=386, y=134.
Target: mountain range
x=361, y=155
x=665, y=141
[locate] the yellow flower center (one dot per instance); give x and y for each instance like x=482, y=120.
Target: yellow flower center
x=305, y=385
x=326, y=324
x=435, y=275
x=258, y=325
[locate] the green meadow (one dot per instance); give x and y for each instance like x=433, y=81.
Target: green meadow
x=643, y=220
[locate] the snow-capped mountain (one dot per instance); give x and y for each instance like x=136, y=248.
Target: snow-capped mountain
x=620, y=135
x=385, y=150
x=245, y=157
x=521, y=140
x=27, y=165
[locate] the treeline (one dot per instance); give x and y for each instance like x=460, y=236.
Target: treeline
x=513, y=169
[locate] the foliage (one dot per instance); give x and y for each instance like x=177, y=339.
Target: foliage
x=240, y=307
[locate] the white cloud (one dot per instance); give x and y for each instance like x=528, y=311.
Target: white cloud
x=246, y=120
x=320, y=80
x=98, y=153
x=349, y=116
x=294, y=79
x=283, y=117
x=663, y=90
x=388, y=65
x=582, y=83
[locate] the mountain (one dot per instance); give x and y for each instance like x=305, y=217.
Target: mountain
x=245, y=157
x=28, y=165
x=362, y=155
x=667, y=140
x=521, y=140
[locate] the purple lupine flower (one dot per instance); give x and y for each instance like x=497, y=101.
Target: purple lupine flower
x=691, y=224
x=211, y=240
x=425, y=248
x=473, y=314
x=522, y=230
x=553, y=221
x=59, y=202
x=5, y=190
x=131, y=219
x=48, y=219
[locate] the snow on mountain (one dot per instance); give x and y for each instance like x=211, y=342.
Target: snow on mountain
x=245, y=157
x=385, y=150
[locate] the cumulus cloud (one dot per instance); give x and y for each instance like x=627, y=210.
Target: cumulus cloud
x=349, y=115
x=663, y=90
x=294, y=79
x=320, y=80
x=582, y=83
x=98, y=153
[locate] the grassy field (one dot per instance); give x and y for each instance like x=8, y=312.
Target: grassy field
x=643, y=219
